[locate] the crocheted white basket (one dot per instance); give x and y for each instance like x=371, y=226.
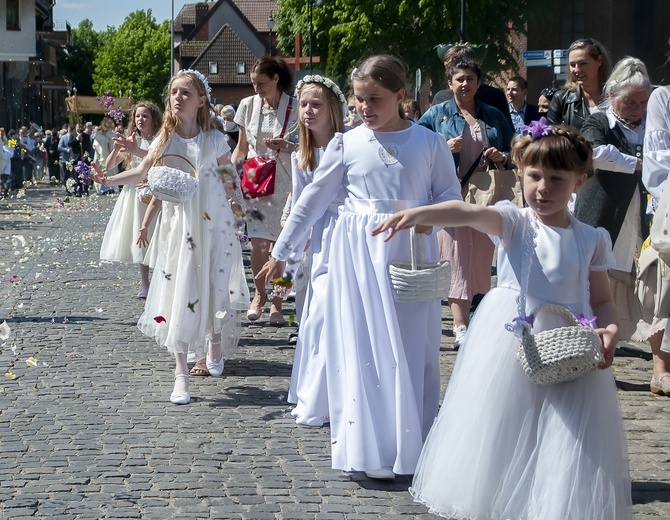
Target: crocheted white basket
x=172, y=184
x=417, y=281
x=561, y=354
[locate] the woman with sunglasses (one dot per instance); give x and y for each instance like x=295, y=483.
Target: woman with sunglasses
x=588, y=70
x=614, y=197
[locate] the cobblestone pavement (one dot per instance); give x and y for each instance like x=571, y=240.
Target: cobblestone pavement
x=89, y=433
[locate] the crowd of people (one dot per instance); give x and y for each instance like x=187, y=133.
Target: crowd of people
x=571, y=186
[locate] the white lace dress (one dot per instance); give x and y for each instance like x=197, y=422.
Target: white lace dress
x=198, y=284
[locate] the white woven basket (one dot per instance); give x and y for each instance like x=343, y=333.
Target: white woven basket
x=418, y=281
x=172, y=184
x=561, y=354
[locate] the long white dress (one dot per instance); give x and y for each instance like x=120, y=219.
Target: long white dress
x=198, y=284
x=123, y=228
x=381, y=356
x=503, y=447
x=308, y=390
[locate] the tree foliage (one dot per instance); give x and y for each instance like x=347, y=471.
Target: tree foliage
x=347, y=30
x=77, y=63
x=136, y=57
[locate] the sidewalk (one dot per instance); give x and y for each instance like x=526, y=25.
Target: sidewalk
x=89, y=432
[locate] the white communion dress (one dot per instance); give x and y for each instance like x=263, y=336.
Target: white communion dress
x=198, y=284
x=381, y=356
x=308, y=390
x=123, y=228
x=503, y=447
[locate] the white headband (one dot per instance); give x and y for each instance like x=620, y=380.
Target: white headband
x=202, y=79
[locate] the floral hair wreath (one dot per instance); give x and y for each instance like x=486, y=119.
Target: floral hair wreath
x=201, y=77
x=326, y=82
x=537, y=129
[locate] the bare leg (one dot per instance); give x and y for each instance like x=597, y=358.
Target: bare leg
x=260, y=249
x=144, y=275
x=661, y=361
x=460, y=310
x=181, y=367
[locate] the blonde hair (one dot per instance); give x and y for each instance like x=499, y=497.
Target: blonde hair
x=156, y=121
x=629, y=75
x=306, y=153
x=563, y=149
x=594, y=49
x=171, y=121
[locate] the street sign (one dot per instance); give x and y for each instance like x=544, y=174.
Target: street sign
x=537, y=58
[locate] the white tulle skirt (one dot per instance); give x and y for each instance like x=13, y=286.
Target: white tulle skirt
x=505, y=448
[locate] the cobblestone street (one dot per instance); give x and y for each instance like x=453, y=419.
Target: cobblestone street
x=89, y=432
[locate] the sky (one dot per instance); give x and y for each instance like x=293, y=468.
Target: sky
x=105, y=12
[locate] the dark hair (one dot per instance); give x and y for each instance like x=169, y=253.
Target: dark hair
x=271, y=65
x=463, y=64
x=563, y=149
x=548, y=92
x=457, y=53
x=519, y=80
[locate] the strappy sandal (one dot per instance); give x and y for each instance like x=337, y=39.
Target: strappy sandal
x=200, y=369
x=255, y=311
x=658, y=386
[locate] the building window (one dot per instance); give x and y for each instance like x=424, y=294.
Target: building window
x=213, y=67
x=13, y=15
x=241, y=68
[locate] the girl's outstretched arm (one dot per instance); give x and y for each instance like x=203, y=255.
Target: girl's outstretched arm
x=605, y=311
x=453, y=213
x=134, y=176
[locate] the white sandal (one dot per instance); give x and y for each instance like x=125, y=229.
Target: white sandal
x=658, y=386
x=182, y=398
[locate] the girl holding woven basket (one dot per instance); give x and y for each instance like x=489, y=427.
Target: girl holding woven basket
x=381, y=355
x=198, y=285
x=504, y=446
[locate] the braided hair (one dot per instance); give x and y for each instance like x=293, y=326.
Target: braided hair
x=561, y=149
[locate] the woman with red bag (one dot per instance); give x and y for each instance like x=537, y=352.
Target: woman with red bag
x=268, y=124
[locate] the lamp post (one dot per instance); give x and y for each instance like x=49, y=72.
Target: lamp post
x=271, y=25
x=172, y=42
x=311, y=4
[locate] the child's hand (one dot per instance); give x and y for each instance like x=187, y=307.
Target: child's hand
x=402, y=220
x=271, y=270
x=99, y=176
x=610, y=337
x=143, y=238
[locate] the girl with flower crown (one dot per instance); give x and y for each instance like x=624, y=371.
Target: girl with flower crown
x=198, y=285
x=119, y=243
x=503, y=446
x=320, y=114
x=381, y=355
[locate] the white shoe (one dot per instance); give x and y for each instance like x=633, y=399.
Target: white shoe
x=459, y=334
x=181, y=398
x=385, y=473
x=215, y=369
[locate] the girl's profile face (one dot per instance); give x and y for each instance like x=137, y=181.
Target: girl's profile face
x=378, y=106
x=464, y=84
x=583, y=67
x=548, y=191
x=144, y=121
x=313, y=108
x=184, y=98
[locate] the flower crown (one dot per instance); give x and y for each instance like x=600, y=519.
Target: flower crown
x=201, y=77
x=537, y=129
x=326, y=82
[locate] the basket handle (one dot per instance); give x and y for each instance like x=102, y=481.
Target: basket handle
x=415, y=249
x=160, y=157
x=556, y=309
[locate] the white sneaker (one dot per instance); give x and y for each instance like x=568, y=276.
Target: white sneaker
x=459, y=334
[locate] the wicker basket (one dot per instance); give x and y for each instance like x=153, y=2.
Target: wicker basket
x=172, y=184
x=418, y=281
x=561, y=354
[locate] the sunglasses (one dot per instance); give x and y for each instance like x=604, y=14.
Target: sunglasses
x=585, y=41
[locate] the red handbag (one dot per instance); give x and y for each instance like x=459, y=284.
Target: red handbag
x=258, y=179
x=258, y=176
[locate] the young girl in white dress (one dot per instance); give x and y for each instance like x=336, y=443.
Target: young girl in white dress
x=198, y=285
x=320, y=115
x=119, y=243
x=381, y=355
x=502, y=446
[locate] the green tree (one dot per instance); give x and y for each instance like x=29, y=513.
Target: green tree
x=76, y=63
x=347, y=30
x=135, y=56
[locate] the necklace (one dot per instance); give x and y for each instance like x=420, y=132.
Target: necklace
x=631, y=125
